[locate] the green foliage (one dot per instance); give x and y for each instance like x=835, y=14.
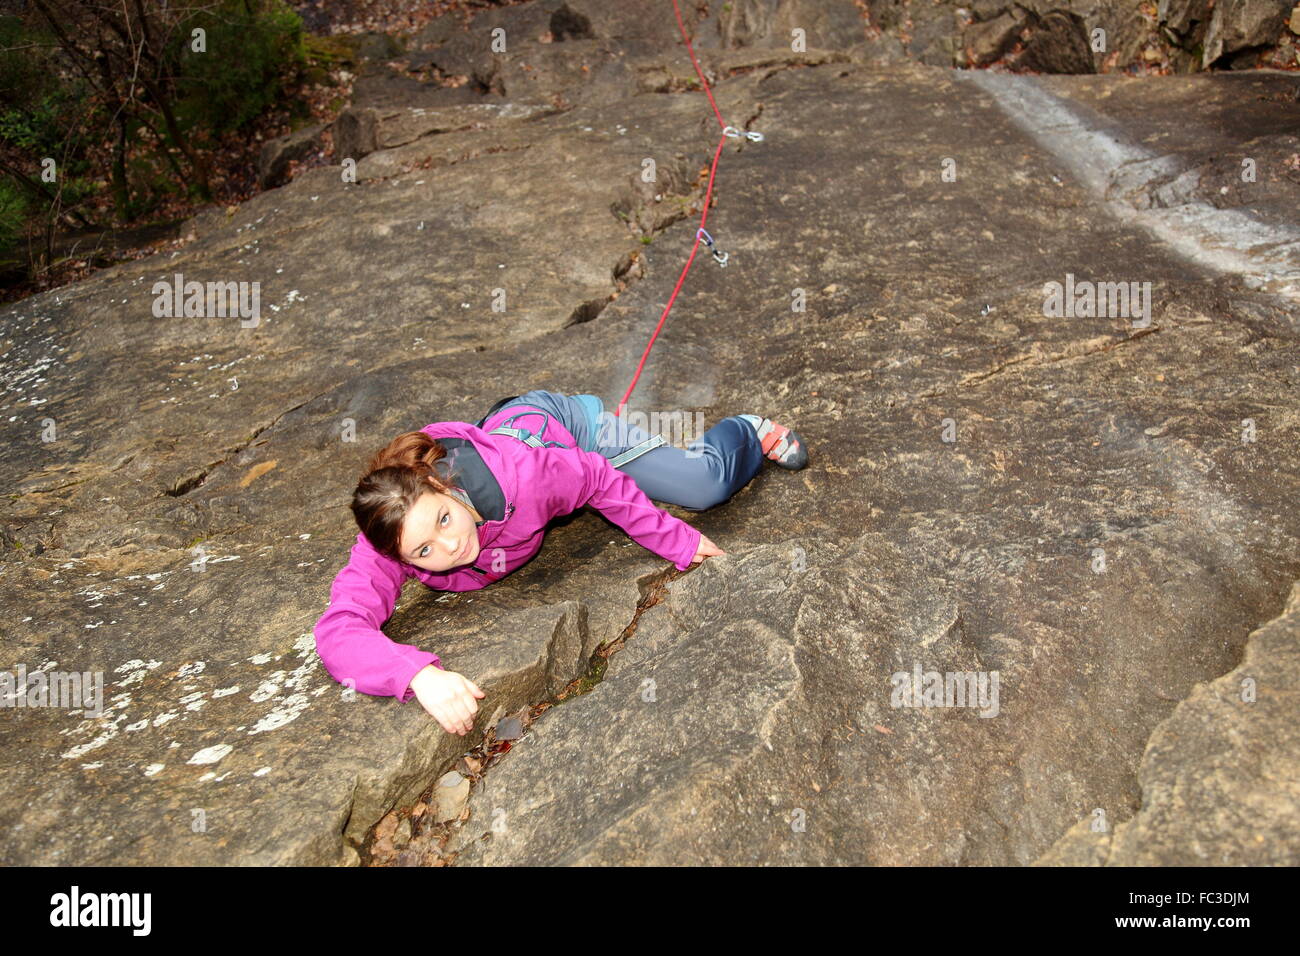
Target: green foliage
x=41, y=125
x=329, y=50
x=21, y=67
x=250, y=45
x=48, y=108
x=40, y=116
x=13, y=214
x=35, y=111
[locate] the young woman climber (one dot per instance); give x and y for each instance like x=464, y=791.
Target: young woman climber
x=459, y=506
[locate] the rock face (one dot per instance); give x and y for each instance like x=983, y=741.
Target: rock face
x=1221, y=777
x=1059, y=36
x=1099, y=512
x=1238, y=26
x=273, y=162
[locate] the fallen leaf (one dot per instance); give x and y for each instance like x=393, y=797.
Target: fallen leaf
x=257, y=471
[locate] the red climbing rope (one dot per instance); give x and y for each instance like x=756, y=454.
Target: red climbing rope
x=703, y=218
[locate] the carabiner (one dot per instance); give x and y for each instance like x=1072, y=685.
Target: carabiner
x=719, y=256
x=752, y=135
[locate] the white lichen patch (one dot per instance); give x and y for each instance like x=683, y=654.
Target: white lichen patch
x=87, y=747
x=288, y=693
x=289, y=710
x=210, y=754
x=265, y=691
x=135, y=671
x=90, y=594
x=299, y=676
x=262, y=773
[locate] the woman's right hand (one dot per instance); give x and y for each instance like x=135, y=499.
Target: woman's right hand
x=448, y=697
x=706, y=549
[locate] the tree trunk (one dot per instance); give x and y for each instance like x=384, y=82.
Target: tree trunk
x=121, y=191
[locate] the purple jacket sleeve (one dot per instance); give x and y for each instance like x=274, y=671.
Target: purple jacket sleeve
x=586, y=478
x=348, y=638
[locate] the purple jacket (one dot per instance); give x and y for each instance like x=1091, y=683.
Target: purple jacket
x=539, y=484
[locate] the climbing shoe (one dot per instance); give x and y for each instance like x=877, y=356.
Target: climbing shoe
x=782, y=445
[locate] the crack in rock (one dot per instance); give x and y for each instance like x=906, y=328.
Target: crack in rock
x=653, y=589
x=1037, y=359
x=184, y=486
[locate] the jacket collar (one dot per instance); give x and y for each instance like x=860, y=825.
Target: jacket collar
x=487, y=473
x=475, y=485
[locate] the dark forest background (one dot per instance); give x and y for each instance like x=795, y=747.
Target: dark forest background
x=119, y=120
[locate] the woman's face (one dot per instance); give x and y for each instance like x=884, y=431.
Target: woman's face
x=439, y=533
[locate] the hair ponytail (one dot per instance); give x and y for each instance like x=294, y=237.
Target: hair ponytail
x=398, y=475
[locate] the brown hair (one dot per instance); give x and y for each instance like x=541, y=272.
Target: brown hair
x=398, y=476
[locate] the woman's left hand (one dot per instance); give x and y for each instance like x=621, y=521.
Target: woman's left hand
x=707, y=549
